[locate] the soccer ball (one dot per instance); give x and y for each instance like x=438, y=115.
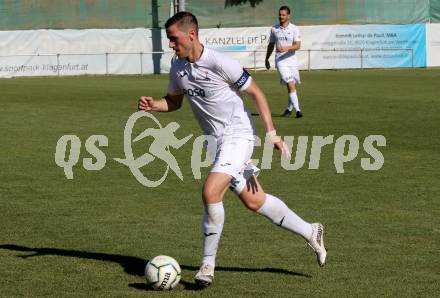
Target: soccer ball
x=162, y=273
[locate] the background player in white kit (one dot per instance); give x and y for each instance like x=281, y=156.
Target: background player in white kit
x=286, y=37
x=211, y=82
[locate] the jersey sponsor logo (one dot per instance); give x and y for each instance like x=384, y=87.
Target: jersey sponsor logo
x=242, y=80
x=194, y=92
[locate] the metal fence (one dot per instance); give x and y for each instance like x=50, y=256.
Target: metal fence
x=312, y=59
x=159, y=62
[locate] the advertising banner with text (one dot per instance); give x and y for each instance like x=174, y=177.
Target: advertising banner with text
x=331, y=47
x=383, y=46
x=74, y=52
x=433, y=44
x=130, y=51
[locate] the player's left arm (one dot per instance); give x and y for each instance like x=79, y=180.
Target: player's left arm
x=296, y=45
x=260, y=101
x=258, y=97
x=242, y=81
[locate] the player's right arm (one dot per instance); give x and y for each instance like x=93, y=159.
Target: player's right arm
x=270, y=48
x=168, y=103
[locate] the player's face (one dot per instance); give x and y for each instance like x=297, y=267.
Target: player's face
x=180, y=41
x=283, y=16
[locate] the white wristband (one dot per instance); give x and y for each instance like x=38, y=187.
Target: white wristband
x=272, y=135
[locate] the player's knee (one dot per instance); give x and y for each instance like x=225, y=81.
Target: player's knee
x=210, y=195
x=291, y=87
x=251, y=205
x=251, y=199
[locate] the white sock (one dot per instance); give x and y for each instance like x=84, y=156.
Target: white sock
x=212, y=226
x=278, y=212
x=293, y=102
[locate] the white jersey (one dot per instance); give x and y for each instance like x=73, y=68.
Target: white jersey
x=285, y=37
x=212, y=86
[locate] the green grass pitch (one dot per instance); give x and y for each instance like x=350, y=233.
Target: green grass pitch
x=91, y=236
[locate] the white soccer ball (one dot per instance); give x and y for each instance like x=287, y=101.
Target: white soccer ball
x=162, y=273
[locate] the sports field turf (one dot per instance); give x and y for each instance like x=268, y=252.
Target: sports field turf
x=91, y=236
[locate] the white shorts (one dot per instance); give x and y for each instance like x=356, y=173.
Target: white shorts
x=233, y=157
x=232, y=154
x=289, y=74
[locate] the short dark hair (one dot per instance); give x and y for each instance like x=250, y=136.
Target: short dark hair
x=183, y=19
x=285, y=8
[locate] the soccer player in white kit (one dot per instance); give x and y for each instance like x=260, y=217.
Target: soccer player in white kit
x=286, y=38
x=212, y=82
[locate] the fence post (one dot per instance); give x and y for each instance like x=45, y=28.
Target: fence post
x=255, y=60
x=106, y=63
x=308, y=59
x=412, y=57
x=58, y=64
x=140, y=56
x=362, y=58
